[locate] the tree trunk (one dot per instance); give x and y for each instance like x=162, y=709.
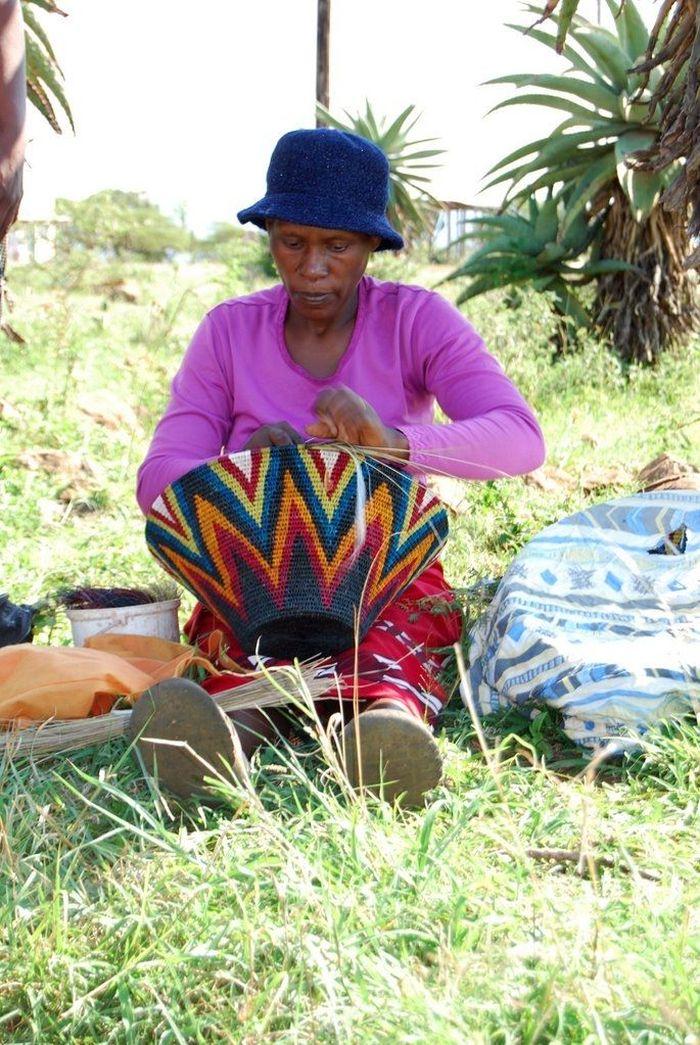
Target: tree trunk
x=323, y=33
x=653, y=306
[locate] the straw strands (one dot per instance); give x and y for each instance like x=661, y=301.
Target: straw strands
x=273, y=688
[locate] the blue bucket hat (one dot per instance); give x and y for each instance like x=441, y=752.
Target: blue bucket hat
x=329, y=179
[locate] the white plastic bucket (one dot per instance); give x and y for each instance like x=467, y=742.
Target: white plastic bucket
x=158, y=619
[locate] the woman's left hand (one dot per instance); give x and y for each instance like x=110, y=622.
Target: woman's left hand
x=347, y=417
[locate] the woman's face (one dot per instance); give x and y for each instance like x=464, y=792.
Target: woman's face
x=320, y=268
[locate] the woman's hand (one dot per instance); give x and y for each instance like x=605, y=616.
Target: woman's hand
x=346, y=416
x=280, y=434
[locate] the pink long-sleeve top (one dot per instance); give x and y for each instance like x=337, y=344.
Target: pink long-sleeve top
x=409, y=349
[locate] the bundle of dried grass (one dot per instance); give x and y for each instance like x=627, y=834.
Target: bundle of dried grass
x=275, y=688
x=91, y=598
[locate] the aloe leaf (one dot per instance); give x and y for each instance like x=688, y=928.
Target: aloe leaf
x=393, y=129
x=326, y=116
x=499, y=250
x=559, y=174
x=633, y=34
x=48, y=5
x=543, y=282
x=424, y=154
x=411, y=124
x=575, y=238
x=515, y=175
x=570, y=307
x=581, y=233
x=642, y=188
x=514, y=265
x=41, y=68
x=512, y=224
x=573, y=56
x=416, y=141
x=481, y=286
x=551, y=255
x=363, y=128
x=600, y=268
x=33, y=23
x=375, y=133
x=550, y=101
x=524, y=150
x=568, y=148
x=587, y=187
x=557, y=147
x=606, y=51
x=547, y=223
x=42, y=103
x=634, y=141
x=595, y=94
x=566, y=17
x=494, y=281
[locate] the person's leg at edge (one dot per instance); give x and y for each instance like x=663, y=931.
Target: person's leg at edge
x=254, y=726
x=391, y=749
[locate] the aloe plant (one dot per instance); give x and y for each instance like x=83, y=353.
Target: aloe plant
x=527, y=246
x=673, y=48
x=44, y=76
x=608, y=118
x=411, y=206
x=587, y=162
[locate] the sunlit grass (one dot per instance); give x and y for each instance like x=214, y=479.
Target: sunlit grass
x=299, y=915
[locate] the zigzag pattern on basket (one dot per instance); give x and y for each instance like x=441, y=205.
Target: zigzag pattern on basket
x=277, y=527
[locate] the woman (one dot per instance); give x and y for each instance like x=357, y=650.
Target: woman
x=333, y=354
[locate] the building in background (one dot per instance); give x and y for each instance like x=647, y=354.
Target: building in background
x=33, y=241
x=451, y=226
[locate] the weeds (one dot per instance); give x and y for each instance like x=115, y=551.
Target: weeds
x=304, y=916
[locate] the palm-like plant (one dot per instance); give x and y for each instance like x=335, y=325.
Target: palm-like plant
x=609, y=118
x=607, y=121
x=411, y=207
x=528, y=246
x=44, y=75
x=674, y=44
x=675, y=39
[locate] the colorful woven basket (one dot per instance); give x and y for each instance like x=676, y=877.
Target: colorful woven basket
x=276, y=543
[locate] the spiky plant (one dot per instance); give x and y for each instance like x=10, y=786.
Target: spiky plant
x=609, y=119
x=44, y=74
x=44, y=89
x=527, y=246
x=411, y=206
x=674, y=44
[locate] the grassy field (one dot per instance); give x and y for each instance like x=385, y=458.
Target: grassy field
x=291, y=913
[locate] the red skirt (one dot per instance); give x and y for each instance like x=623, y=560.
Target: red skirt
x=396, y=660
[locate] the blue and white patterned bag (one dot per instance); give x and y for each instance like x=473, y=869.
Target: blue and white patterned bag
x=599, y=616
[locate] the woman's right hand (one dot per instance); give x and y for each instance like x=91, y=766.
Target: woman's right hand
x=280, y=434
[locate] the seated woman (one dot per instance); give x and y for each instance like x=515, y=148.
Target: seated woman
x=330, y=353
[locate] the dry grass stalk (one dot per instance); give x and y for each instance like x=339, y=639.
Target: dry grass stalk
x=582, y=860
x=62, y=735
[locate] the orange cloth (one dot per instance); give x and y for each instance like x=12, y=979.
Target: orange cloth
x=42, y=682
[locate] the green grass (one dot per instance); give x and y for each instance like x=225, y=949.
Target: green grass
x=292, y=914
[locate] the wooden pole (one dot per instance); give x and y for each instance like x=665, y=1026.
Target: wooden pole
x=323, y=33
